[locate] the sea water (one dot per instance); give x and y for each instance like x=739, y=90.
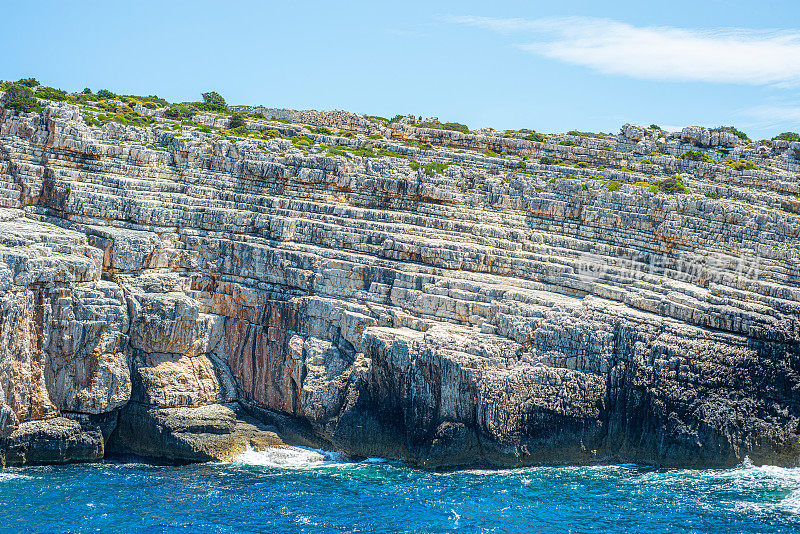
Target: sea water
x=297, y=490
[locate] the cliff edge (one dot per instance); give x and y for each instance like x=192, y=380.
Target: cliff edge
x=184, y=286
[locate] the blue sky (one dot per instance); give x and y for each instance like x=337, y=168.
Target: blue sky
x=549, y=66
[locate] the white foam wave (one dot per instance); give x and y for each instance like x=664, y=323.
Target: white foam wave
x=285, y=457
x=11, y=476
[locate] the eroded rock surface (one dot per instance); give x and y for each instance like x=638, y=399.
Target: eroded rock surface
x=445, y=297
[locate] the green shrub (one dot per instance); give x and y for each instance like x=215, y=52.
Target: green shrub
x=237, y=121
x=656, y=127
x=713, y=196
x=796, y=153
x=334, y=150
x=180, y=112
x=302, y=141
x=491, y=153
x=212, y=101
x=150, y=101
x=213, y=97
x=20, y=98
x=593, y=135
x=240, y=130
x=49, y=93
x=536, y=136
x=24, y=105
x=430, y=168
x=374, y=136
x=28, y=82
x=566, y=143
x=787, y=136
x=269, y=134
x=121, y=115
x=695, y=155
x=742, y=165
x=105, y=94
x=454, y=126
x=544, y=160
x=613, y=185
x=377, y=153
x=646, y=161
x=672, y=185
x=14, y=91
x=732, y=129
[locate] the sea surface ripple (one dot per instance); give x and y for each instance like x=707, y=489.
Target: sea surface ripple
x=298, y=490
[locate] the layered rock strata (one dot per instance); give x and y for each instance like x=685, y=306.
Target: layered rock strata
x=181, y=292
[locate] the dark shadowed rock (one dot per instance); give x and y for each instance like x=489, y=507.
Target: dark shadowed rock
x=52, y=441
x=188, y=434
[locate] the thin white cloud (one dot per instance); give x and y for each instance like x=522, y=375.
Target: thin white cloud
x=778, y=113
x=753, y=57
x=773, y=116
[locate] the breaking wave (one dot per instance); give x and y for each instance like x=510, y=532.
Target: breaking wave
x=286, y=457
x=5, y=476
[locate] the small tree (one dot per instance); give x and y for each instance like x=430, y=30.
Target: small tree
x=212, y=101
x=20, y=98
x=214, y=97
x=16, y=91
x=86, y=91
x=105, y=94
x=28, y=82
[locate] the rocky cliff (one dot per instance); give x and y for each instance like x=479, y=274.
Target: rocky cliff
x=182, y=290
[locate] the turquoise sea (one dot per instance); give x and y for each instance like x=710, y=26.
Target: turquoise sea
x=301, y=490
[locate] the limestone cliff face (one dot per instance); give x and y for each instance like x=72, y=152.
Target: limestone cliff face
x=180, y=292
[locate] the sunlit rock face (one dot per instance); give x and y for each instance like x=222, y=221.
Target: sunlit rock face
x=392, y=290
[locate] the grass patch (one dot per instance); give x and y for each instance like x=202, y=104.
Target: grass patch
x=453, y=126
